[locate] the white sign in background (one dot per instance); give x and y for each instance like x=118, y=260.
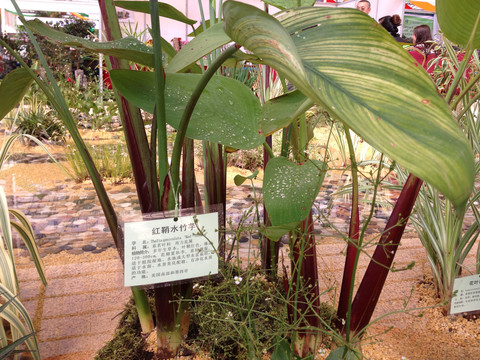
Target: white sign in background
x=467, y=296
x=166, y=250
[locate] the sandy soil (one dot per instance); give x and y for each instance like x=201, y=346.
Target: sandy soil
x=432, y=336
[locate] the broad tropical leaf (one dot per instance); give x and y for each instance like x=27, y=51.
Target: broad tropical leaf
x=164, y=10
x=12, y=90
x=127, y=48
x=288, y=4
x=289, y=190
x=458, y=19
x=227, y=112
x=279, y=112
x=203, y=44
x=365, y=79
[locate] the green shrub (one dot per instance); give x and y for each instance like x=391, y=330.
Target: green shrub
x=92, y=107
x=111, y=160
x=42, y=124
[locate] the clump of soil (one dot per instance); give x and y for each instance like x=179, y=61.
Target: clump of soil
x=427, y=334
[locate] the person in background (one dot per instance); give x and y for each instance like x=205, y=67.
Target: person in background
x=423, y=47
x=364, y=6
x=391, y=24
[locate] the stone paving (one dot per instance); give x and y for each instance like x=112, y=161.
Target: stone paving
x=77, y=312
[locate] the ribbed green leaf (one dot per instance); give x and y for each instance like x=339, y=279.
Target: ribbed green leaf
x=227, y=112
x=127, y=48
x=344, y=61
x=203, y=44
x=12, y=90
x=288, y=4
x=164, y=10
x=458, y=19
x=289, y=190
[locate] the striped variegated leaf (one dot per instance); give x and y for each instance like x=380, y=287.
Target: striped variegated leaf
x=17, y=316
x=8, y=275
x=347, y=63
x=25, y=230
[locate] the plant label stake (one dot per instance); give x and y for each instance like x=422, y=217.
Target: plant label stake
x=165, y=250
x=466, y=295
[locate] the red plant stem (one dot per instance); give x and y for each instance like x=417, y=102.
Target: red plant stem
x=373, y=281
x=130, y=113
x=270, y=249
x=304, y=250
x=348, y=271
x=351, y=259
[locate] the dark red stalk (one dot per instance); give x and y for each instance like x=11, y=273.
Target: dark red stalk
x=270, y=249
x=304, y=250
x=135, y=135
x=215, y=180
x=348, y=271
x=188, y=175
x=304, y=300
x=351, y=259
x=373, y=281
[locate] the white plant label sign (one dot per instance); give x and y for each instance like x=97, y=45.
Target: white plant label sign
x=167, y=250
x=467, y=294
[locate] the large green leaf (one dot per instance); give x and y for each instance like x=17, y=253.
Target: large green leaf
x=458, y=19
x=12, y=89
x=203, y=44
x=288, y=4
x=164, y=10
x=127, y=48
x=289, y=190
x=282, y=110
x=365, y=79
x=227, y=112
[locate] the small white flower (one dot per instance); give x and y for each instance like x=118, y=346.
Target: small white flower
x=229, y=315
x=322, y=352
x=343, y=321
x=196, y=285
x=404, y=358
x=238, y=279
x=268, y=299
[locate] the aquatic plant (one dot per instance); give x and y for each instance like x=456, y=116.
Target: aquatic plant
x=329, y=65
